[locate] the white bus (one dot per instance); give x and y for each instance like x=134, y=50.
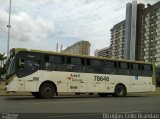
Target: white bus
x=46, y=74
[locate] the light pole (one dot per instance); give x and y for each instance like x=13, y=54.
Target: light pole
x=9, y=26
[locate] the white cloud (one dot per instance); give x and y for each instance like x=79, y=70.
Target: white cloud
x=25, y=27
x=64, y=21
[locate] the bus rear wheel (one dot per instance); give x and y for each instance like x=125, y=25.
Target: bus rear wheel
x=47, y=91
x=120, y=91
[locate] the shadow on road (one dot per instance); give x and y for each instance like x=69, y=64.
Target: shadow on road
x=71, y=97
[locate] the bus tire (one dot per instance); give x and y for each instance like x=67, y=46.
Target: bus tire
x=103, y=94
x=120, y=91
x=47, y=90
x=36, y=94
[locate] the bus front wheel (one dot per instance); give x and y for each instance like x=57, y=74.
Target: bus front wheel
x=120, y=91
x=47, y=91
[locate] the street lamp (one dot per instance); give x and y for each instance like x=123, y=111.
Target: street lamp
x=9, y=26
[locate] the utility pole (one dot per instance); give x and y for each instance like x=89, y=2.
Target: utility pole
x=9, y=26
x=57, y=47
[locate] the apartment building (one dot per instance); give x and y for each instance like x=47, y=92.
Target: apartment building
x=117, y=40
x=138, y=37
x=81, y=47
x=150, y=38
x=104, y=52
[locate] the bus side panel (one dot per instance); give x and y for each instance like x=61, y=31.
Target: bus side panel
x=31, y=81
x=13, y=85
x=119, y=79
x=141, y=84
x=59, y=78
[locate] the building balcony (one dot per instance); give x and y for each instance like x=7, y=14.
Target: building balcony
x=157, y=55
x=157, y=46
x=146, y=57
x=146, y=42
x=158, y=42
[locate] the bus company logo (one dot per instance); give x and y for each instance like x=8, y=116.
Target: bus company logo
x=71, y=76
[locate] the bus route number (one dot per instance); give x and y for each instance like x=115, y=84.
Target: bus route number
x=101, y=78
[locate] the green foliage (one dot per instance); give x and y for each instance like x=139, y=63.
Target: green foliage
x=2, y=70
x=2, y=65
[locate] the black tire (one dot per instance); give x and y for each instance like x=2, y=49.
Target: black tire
x=120, y=91
x=47, y=91
x=103, y=94
x=36, y=94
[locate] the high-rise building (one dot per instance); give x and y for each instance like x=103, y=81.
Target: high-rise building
x=130, y=26
x=142, y=34
x=117, y=40
x=81, y=47
x=150, y=38
x=133, y=25
x=105, y=52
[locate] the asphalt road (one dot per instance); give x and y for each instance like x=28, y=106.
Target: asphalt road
x=78, y=107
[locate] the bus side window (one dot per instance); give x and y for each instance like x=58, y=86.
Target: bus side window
x=32, y=65
x=54, y=62
x=109, y=67
x=47, y=64
x=135, y=69
x=29, y=65
x=94, y=66
x=146, y=70
x=75, y=64
x=69, y=66
x=123, y=68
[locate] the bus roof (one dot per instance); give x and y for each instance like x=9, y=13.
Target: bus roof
x=75, y=55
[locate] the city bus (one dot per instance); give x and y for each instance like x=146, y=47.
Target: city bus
x=46, y=74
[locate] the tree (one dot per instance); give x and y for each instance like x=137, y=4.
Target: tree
x=2, y=65
x=2, y=59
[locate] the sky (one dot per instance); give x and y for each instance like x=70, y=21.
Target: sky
x=41, y=24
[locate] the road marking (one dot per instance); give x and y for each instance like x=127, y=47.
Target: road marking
x=66, y=102
x=76, y=115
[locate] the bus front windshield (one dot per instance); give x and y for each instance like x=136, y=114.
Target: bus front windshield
x=11, y=67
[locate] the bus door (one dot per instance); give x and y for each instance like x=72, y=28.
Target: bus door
x=73, y=87
x=28, y=71
x=142, y=79
x=136, y=83
x=20, y=84
x=82, y=86
x=29, y=83
x=32, y=80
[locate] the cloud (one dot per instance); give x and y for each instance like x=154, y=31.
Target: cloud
x=25, y=27
x=62, y=21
